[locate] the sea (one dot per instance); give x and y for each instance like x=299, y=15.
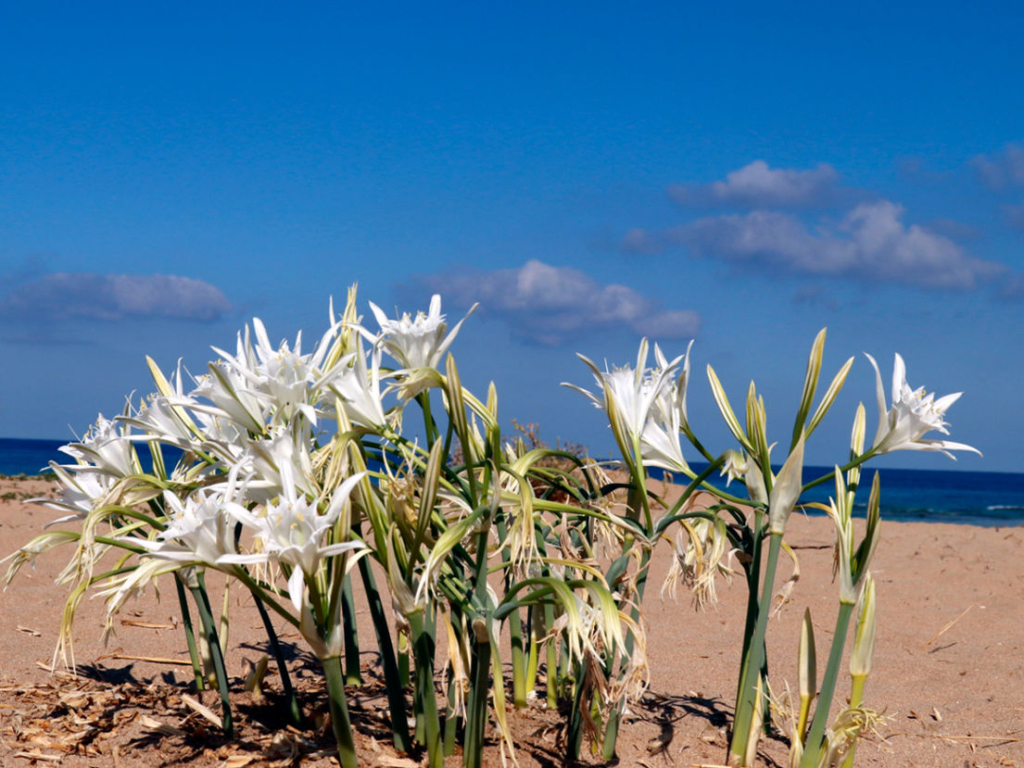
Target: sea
x=929, y=495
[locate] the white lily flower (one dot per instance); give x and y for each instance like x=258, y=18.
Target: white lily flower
x=415, y=343
x=913, y=414
x=628, y=397
x=224, y=438
x=659, y=442
x=359, y=388
x=283, y=380
x=105, y=449
x=160, y=420
x=280, y=460
x=160, y=417
x=80, y=492
x=291, y=532
x=418, y=342
x=198, y=530
x=232, y=402
x=736, y=466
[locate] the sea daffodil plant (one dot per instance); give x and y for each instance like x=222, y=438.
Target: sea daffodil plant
x=292, y=470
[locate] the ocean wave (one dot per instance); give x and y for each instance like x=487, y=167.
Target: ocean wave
x=1004, y=507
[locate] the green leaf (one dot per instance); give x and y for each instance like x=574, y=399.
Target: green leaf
x=727, y=413
x=830, y=396
x=810, y=385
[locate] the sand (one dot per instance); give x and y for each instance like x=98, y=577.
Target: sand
x=948, y=672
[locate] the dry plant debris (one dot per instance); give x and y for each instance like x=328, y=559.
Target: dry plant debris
x=162, y=725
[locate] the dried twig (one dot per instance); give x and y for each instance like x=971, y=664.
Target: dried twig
x=946, y=628
x=151, y=659
x=145, y=624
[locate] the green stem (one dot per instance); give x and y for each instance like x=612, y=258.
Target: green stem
x=404, y=677
x=855, y=462
x=856, y=698
x=695, y=483
x=574, y=737
x=812, y=748
x=353, y=675
x=210, y=627
x=515, y=628
x=451, y=722
x=548, y=618
x=392, y=673
x=340, y=723
x=637, y=497
x=134, y=514
x=551, y=658
x=259, y=592
x=480, y=668
x=534, y=656
x=423, y=398
x=612, y=730
x=753, y=596
x=428, y=726
x=292, y=703
x=190, y=637
x=518, y=661
x=755, y=660
x=476, y=716
x=121, y=543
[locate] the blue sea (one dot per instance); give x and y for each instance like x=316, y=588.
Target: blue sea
x=953, y=496
x=928, y=495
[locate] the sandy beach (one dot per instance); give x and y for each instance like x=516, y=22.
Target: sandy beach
x=948, y=671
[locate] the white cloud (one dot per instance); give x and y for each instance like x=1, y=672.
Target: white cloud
x=1002, y=169
x=547, y=305
x=640, y=241
x=93, y=296
x=869, y=244
x=758, y=186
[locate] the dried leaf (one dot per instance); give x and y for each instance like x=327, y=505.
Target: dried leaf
x=206, y=712
x=397, y=762
x=157, y=727
x=145, y=624
x=37, y=755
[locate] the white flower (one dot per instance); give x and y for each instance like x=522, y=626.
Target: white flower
x=736, y=466
x=280, y=460
x=282, y=380
x=629, y=396
x=198, y=529
x=912, y=415
x=105, y=449
x=359, y=388
x=232, y=402
x=80, y=493
x=659, y=442
x=291, y=532
x=415, y=343
x=162, y=415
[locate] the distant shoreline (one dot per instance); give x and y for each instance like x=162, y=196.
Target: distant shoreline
x=937, y=495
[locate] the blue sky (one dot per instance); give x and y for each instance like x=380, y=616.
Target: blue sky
x=590, y=173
